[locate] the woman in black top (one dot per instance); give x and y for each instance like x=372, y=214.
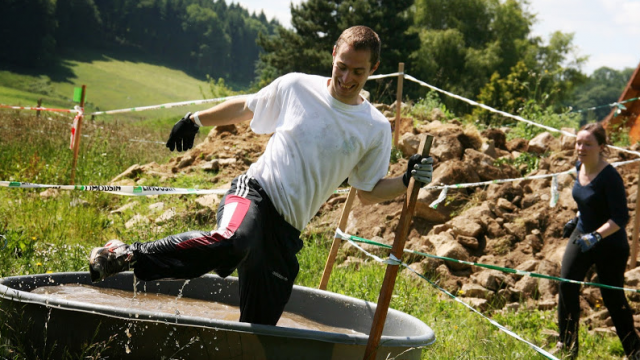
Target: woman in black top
x=599, y=238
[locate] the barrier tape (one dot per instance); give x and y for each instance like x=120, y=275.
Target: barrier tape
x=506, y=114
x=394, y=261
x=554, y=189
x=116, y=189
x=618, y=104
x=37, y=108
x=125, y=189
x=74, y=127
x=344, y=236
x=167, y=105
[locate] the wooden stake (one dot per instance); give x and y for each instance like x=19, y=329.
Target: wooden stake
x=335, y=246
x=396, y=130
x=397, y=250
x=39, y=105
x=633, y=259
x=76, y=140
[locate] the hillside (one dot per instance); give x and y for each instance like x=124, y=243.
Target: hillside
x=112, y=83
x=508, y=225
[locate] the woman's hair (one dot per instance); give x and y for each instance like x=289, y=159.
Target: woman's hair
x=362, y=38
x=597, y=130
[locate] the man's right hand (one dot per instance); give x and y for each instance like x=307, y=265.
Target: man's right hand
x=183, y=134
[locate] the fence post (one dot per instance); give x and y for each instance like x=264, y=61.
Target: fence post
x=39, y=105
x=398, y=249
x=76, y=141
x=335, y=246
x=633, y=259
x=398, y=105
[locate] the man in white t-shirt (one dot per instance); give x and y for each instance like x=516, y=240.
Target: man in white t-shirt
x=323, y=132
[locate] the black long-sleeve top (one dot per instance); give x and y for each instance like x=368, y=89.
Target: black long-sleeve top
x=602, y=199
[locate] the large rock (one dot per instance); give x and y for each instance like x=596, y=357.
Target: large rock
x=492, y=279
x=544, y=142
x=455, y=251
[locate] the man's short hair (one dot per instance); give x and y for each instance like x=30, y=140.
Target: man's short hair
x=361, y=38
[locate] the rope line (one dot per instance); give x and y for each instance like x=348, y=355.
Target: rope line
x=505, y=114
x=167, y=105
x=344, y=236
x=394, y=261
x=618, y=104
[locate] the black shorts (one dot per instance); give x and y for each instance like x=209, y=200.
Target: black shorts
x=251, y=236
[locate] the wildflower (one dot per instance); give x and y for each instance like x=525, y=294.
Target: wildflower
x=49, y=272
x=39, y=264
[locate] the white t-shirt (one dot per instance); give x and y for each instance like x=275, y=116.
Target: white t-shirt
x=317, y=143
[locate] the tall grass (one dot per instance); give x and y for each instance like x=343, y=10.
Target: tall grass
x=55, y=234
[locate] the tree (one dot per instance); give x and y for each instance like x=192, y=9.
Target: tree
x=603, y=87
x=317, y=24
x=27, y=29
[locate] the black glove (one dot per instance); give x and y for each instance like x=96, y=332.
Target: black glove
x=569, y=227
x=183, y=134
x=420, y=168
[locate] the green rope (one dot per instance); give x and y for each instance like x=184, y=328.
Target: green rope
x=492, y=267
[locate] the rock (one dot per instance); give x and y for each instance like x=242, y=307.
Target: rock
x=548, y=288
x=455, y=251
x=468, y=242
x=520, y=145
x=137, y=220
x=210, y=201
x=49, y=193
x=408, y=144
x=490, y=279
x=132, y=172
x=462, y=225
x=476, y=291
x=156, y=206
x=526, y=287
x=124, y=207
x=505, y=205
x=166, y=217
x=543, y=142
x=479, y=304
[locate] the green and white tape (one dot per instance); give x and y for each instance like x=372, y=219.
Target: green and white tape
x=395, y=261
x=344, y=236
x=116, y=189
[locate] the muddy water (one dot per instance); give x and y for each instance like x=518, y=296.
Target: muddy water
x=171, y=305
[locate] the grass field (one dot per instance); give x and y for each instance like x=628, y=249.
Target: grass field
x=55, y=234
x=111, y=84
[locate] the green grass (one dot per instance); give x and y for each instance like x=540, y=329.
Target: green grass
x=111, y=84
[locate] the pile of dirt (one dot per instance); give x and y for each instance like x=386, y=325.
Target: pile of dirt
x=509, y=224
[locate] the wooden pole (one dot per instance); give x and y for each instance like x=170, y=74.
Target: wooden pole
x=633, y=259
x=396, y=129
x=76, y=140
x=335, y=246
x=39, y=105
x=397, y=250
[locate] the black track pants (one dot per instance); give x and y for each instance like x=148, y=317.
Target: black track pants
x=251, y=236
x=610, y=257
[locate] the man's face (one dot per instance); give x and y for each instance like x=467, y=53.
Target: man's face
x=351, y=68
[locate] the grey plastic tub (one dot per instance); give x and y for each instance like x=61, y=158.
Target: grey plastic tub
x=55, y=326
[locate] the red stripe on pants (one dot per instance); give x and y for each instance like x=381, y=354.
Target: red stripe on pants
x=230, y=223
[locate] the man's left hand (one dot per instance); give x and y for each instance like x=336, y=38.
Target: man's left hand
x=420, y=168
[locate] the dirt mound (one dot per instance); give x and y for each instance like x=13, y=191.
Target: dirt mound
x=510, y=224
